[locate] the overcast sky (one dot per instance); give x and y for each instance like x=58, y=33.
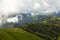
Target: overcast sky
x=8, y=6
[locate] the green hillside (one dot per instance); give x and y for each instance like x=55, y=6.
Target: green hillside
x=16, y=34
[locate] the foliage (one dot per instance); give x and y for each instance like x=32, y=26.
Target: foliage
x=49, y=29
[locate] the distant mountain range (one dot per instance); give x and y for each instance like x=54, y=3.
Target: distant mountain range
x=57, y=13
x=25, y=18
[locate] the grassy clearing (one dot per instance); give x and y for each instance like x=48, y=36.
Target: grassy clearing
x=16, y=34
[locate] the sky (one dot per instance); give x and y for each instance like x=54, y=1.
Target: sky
x=11, y=6
x=8, y=7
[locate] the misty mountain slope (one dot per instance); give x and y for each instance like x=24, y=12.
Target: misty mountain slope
x=23, y=18
x=49, y=29
x=16, y=34
x=12, y=7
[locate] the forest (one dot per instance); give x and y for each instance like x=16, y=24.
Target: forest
x=49, y=29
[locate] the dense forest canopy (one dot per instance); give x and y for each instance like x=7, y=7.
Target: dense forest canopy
x=49, y=29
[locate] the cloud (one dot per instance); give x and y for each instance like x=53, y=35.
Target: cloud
x=36, y=6
x=34, y=14
x=13, y=20
x=12, y=6
x=8, y=7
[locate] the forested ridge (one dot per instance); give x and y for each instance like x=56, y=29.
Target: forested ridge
x=49, y=29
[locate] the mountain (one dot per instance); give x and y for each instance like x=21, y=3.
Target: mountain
x=24, y=18
x=57, y=13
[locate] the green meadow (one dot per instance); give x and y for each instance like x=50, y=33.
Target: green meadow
x=16, y=34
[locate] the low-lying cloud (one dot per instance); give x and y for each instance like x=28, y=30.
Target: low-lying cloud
x=8, y=7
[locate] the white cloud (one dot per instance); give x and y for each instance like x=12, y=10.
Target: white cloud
x=9, y=6
x=34, y=14
x=21, y=17
x=36, y=6
x=14, y=20
x=45, y=3
x=0, y=22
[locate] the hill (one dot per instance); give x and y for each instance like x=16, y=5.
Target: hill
x=16, y=34
x=49, y=29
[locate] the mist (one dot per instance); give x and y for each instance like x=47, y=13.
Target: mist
x=8, y=7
